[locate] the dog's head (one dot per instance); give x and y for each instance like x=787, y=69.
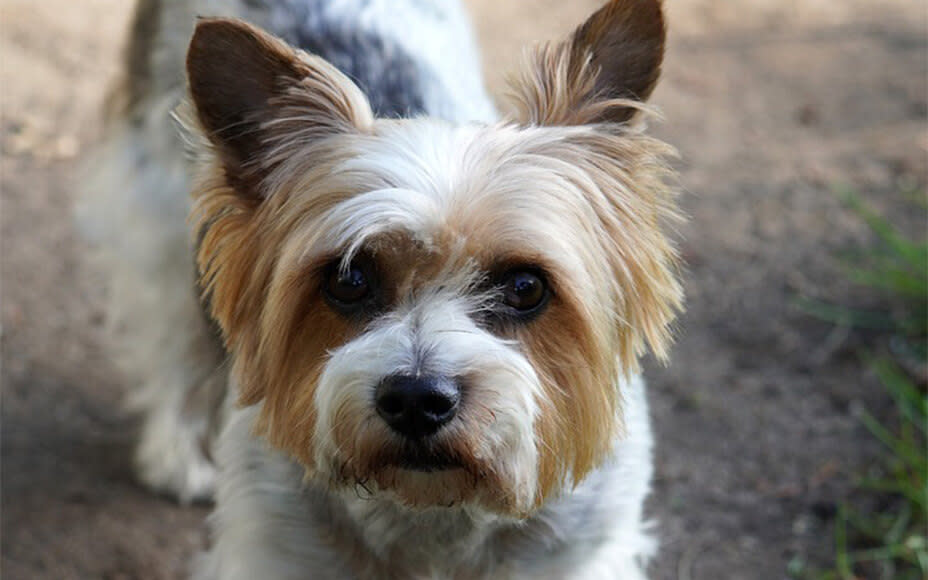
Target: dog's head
x=440, y=314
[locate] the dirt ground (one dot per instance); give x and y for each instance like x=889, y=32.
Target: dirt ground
x=771, y=103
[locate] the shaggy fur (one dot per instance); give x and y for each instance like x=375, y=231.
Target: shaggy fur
x=544, y=468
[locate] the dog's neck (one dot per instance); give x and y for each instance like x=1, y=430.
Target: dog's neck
x=392, y=541
x=390, y=536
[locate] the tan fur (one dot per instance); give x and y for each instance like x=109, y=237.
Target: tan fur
x=579, y=344
x=273, y=174
x=602, y=73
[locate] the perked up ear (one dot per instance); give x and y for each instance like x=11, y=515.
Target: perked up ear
x=599, y=73
x=256, y=98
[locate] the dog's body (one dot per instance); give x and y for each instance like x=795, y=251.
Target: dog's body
x=541, y=465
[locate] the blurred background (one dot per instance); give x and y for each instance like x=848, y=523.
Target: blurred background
x=791, y=420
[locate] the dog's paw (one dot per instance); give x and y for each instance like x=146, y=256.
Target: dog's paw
x=172, y=459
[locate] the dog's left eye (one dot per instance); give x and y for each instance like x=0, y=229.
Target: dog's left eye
x=351, y=286
x=524, y=290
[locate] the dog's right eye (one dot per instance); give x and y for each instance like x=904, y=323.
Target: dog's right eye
x=524, y=292
x=349, y=287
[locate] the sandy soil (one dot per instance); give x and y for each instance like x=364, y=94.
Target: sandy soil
x=771, y=104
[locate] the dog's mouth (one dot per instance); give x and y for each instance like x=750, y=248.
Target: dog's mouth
x=424, y=459
x=431, y=473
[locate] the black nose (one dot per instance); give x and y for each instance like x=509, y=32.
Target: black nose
x=417, y=406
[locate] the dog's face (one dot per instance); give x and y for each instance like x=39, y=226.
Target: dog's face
x=438, y=314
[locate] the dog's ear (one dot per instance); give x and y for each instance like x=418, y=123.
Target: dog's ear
x=256, y=98
x=599, y=73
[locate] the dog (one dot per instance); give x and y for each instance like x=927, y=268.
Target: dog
x=402, y=337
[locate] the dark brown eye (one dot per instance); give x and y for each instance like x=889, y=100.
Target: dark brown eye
x=351, y=286
x=524, y=290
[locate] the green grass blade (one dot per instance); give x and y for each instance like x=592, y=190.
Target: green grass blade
x=911, y=403
x=842, y=558
x=899, y=281
x=911, y=252
x=842, y=316
x=910, y=454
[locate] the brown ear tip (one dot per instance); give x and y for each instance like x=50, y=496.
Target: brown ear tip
x=206, y=24
x=205, y=30
x=217, y=22
x=212, y=29
x=214, y=38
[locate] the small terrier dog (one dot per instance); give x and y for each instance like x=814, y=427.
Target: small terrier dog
x=432, y=313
